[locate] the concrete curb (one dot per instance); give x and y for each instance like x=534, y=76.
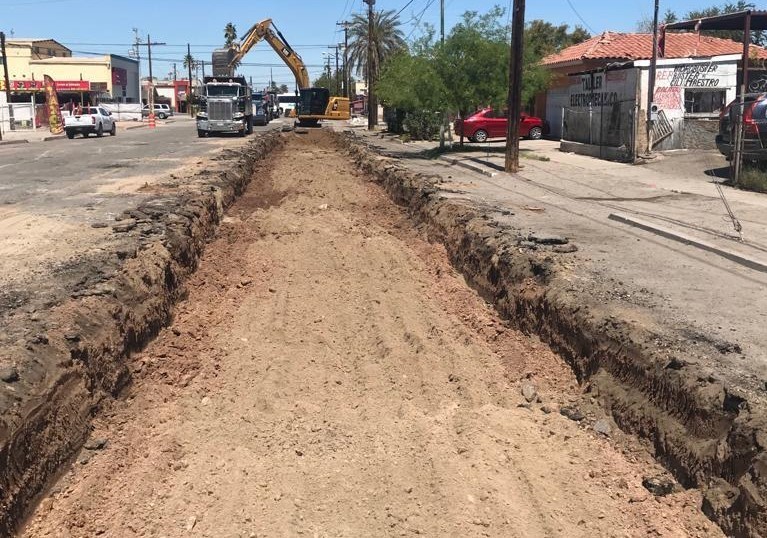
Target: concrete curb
x=54, y=137
x=137, y=126
x=731, y=255
x=469, y=166
x=13, y=142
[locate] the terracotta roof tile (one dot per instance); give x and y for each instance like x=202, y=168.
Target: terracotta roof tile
x=618, y=46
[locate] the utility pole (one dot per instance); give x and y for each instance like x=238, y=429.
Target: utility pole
x=337, y=77
x=372, y=101
x=189, y=89
x=442, y=20
x=202, y=64
x=515, y=86
x=174, y=72
x=651, y=77
x=347, y=82
x=150, y=86
x=7, y=81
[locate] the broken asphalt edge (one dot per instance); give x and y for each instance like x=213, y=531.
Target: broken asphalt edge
x=709, y=435
x=88, y=354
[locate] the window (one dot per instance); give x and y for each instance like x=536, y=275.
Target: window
x=703, y=101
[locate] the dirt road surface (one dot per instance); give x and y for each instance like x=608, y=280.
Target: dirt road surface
x=331, y=375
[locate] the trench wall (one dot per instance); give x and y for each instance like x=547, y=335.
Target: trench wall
x=707, y=435
x=88, y=354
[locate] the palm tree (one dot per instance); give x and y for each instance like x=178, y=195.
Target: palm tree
x=189, y=62
x=230, y=37
x=387, y=39
x=230, y=34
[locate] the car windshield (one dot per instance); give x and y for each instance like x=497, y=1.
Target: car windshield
x=223, y=90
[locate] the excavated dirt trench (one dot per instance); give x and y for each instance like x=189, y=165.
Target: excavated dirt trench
x=330, y=374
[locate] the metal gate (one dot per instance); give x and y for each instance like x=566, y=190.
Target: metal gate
x=611, y=125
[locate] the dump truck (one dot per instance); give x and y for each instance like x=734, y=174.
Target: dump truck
x=226, y=106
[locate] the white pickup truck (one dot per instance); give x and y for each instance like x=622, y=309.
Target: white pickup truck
x=93, y=119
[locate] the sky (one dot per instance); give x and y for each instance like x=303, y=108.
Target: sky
x=308, y=25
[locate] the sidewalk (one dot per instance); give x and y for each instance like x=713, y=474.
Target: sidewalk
x=657, y=238
x=44, y=135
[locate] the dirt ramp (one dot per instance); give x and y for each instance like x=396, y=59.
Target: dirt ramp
x=72, y=354
x=648, y=376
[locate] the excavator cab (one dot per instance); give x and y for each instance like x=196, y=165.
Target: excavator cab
x=313, y=101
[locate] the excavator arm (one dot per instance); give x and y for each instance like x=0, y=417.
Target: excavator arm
x=226, y=60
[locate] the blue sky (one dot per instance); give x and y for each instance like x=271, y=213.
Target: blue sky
x=309, y=25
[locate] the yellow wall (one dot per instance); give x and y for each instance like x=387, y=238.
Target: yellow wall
x=20, y=53
x=73, y=70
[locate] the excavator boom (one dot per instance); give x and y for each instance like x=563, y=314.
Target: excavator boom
x=315, y=104
x=225, y=61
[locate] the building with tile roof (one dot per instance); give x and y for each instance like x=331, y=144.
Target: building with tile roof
x=606, y=77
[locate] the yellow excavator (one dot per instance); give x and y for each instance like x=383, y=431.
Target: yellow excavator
x=314, y=104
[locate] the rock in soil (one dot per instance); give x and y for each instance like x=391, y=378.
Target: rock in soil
x=9, y=374
x=573, y=413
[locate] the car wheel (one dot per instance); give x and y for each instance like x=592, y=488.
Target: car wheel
x=162, y=115
x=535, y=133
x=100, y=130
x=113, y=130
x=70, y=134
x=480, y=136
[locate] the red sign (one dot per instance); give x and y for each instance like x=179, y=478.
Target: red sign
x=60, y=85
x=72, y=86
x=119, y=76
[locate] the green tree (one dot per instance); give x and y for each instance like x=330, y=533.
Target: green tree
x=644, y=25
x=329, y=81
x=757, y=37
x=189, y=62
x=387, y=38
x=283, y=88
x=230, y=34
x=230, y=37
x=543, y=38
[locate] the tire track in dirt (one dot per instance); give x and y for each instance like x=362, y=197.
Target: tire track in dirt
x=331, y=375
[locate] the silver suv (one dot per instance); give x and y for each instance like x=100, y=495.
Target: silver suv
x=162, y=111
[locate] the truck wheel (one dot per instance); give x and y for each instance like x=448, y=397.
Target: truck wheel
x=201, y=133
x=162, y=115
x=249, y=125
x=70, y=134
x=100, y=131
x=113, y=130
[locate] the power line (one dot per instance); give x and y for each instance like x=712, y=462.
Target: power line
x=404, y=8
x=420, y=16
x=569, y=3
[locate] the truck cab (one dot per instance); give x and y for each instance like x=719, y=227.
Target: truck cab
x=226, y=106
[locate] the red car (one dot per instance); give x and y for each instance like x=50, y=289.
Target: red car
x=488, y=123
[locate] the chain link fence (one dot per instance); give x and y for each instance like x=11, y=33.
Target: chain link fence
x=611, y=125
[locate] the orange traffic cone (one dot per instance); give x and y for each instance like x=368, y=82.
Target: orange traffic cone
x=152, y=123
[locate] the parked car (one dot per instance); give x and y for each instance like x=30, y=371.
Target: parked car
x=755, y=127
x=162, y=111
x=89, y=120
x=489, y=123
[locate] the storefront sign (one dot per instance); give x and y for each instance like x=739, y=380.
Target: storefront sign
x=99, y=87
x=72, y=85
x=602, y=89
x=38, y=85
